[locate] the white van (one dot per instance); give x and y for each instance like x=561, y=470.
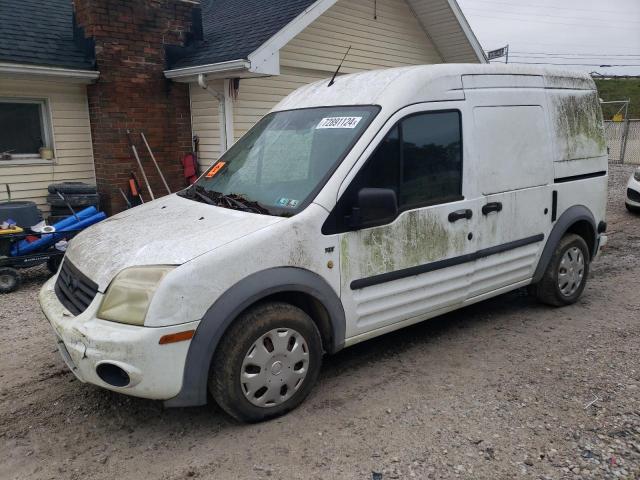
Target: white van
x=349, y=211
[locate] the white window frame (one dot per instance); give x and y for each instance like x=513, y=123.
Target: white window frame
x=45, y=125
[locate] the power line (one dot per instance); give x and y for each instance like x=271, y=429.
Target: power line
x=580, y=64
x=579, y=54
x=564, y=44
x=527, y=14
x=550, y=7
x=617, y=27
x=606, y=57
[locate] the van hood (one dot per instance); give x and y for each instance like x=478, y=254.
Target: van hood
x=168, y=231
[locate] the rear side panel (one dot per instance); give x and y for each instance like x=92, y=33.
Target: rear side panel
x=579, y=150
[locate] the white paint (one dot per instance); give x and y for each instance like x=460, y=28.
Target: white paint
x=215, y=248
x=634, y=185
x=79, y=76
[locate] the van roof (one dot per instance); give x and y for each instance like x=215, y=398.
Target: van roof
x=396, y=87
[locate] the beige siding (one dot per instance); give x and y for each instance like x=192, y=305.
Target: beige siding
x=69, y=118
x=446, y=32
x=205, y=121
x=259, y=95
x=395, y=39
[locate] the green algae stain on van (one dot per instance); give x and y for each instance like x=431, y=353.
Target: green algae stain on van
x=416, y=238
x=578, y=125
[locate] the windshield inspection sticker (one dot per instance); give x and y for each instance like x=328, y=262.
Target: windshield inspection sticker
x=339, y=122
x=215, y=169
x=287, y=202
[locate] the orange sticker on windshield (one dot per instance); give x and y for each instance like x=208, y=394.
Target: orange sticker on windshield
x=215, y=169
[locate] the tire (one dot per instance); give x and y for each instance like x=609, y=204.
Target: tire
x=250, y=336
x=549, y=289
x=54, y=263
x=10, y=279
x=60, y=211
x=75, y=200
x=71, y=188
x=632, y=209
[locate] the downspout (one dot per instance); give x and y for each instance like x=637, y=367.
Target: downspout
x=225, y=114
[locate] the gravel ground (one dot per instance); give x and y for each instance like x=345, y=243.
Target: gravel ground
x=504, y=389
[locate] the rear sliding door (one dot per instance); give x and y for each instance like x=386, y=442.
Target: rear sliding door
x=513, y=174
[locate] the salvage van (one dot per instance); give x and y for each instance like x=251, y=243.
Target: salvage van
x=350, y=210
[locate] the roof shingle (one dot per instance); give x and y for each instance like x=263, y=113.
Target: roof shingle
x=233, y=29
x=37, y=32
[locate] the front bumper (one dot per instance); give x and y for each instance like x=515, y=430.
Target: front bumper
x=633, y=193
x=155, y=371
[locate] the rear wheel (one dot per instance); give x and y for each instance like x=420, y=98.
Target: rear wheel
x=566, y=275
x=10, y=279
x=266, y=363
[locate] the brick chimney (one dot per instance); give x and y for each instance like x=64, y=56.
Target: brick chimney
x=130, y=38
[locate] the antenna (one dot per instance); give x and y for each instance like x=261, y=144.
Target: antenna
x=333, y=79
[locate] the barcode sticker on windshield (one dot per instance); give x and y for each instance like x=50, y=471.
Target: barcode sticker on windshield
x=339, y=122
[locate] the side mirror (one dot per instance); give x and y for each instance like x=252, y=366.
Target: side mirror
x=376, y=206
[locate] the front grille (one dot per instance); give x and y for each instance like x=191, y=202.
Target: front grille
x=74, y=290
x=633, y=195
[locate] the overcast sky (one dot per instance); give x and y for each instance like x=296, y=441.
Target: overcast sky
x=591, y=32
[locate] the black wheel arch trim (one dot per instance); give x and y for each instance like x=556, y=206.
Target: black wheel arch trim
x=569, y=217
x=234, y=301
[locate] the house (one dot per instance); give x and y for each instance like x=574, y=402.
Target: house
x=74, y=77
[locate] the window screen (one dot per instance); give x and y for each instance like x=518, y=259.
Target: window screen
x=21, y=127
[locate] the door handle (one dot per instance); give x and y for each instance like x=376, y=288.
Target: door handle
x=460, y=214
x=491, y=207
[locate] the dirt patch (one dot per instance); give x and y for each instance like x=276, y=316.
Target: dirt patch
x=506, y=388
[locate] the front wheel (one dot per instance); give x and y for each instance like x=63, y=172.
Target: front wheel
x=10, y=279
x=566, y=275
x=266, y=363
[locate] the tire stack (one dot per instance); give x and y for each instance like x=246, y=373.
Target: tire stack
x=78, y=195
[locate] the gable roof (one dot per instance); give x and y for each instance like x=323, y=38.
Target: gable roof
x=234, y=29
x=40, y=33
x=247, y=34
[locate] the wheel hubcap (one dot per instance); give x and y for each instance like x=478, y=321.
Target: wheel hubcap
x=571, y=271
x=275, y=367
x=6, y=281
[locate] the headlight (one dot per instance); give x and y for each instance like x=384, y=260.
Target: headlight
x=129, y=295
x=636, y=174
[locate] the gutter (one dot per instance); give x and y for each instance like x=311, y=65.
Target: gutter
x=21, y=69
x=212, y=68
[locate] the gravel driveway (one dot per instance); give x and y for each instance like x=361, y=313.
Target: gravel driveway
x=504, y=389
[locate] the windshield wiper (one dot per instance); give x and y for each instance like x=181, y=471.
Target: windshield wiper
x=231, y=200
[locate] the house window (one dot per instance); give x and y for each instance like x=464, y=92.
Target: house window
x=24, y=128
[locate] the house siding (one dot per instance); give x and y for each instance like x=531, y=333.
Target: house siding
x=395, y=39
x=71, y=133
x=439, y=20
x=205, y=121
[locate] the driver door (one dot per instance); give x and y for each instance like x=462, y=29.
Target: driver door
x=415, y=263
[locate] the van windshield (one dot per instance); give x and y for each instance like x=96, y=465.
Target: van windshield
x=279, y=165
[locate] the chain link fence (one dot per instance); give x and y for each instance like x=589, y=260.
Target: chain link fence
x=623, y=140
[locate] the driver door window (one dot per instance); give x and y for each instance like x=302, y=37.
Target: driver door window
x=420, y=159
